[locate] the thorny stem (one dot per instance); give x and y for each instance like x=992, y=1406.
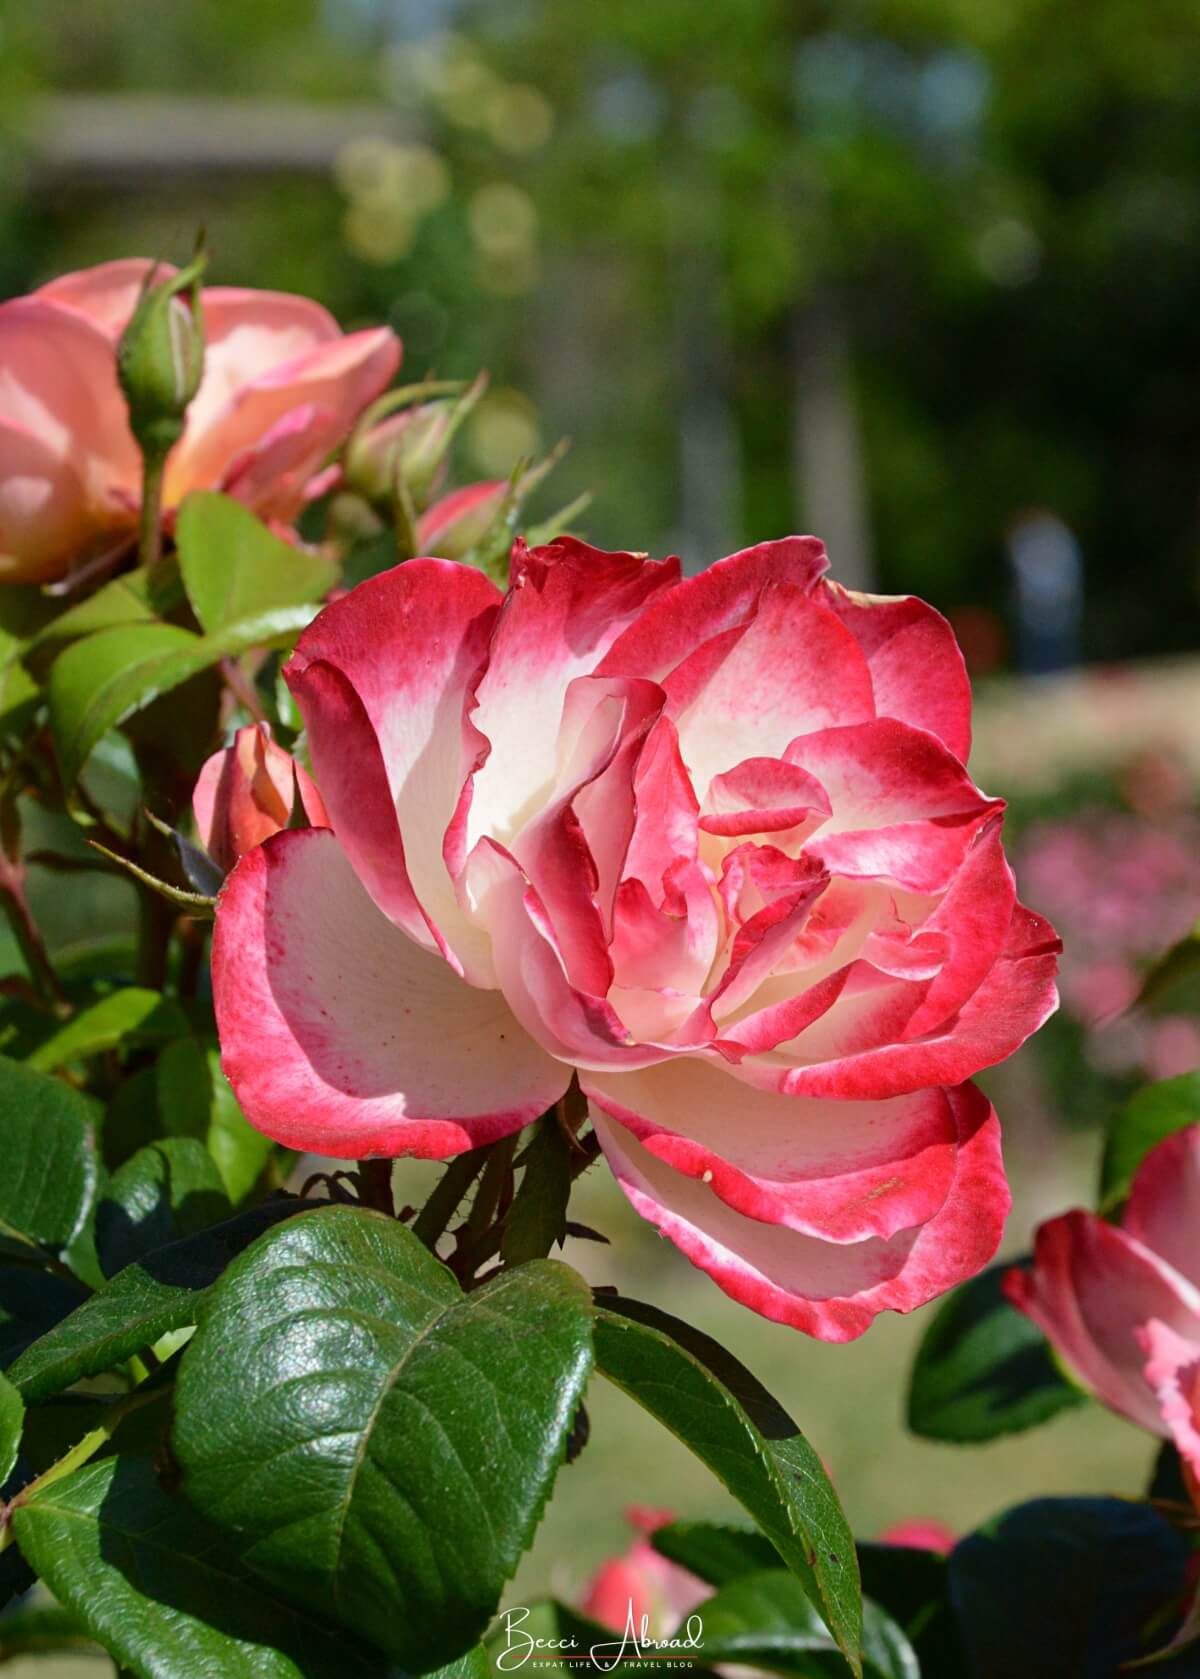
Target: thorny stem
x=242, y=689
x=431, y=1222
x=27, y=932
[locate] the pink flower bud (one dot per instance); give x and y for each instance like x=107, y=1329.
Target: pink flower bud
x=453, y=525
x=921, y=1534
x=245, y=793
x=410, y=445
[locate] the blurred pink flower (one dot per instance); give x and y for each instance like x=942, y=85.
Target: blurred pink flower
x=282, y=386
x=642, y=1584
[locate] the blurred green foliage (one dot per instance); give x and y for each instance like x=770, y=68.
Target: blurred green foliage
x=633, y=209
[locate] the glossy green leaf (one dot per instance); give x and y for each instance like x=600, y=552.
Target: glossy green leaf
x=234, y=568
x=195, y=1100
x=983, y=1369
x=31, y=1303
x=167, y=1191
x=99, y=682
x=1154, y=1113
x=729, y=1420
x=716, y=1552
x=1076, y=1586
x=12, y=1418
x=130, y=1016
x=378, y=1443
x=50, y=1170
x=141, y=1303
x=158, y=1588
x=766, y=1621
x=911, y=1585
x=537, y=1218
x=135, y=597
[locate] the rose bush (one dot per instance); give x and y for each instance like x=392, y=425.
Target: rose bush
x=708, y=843
x=282, y=386
x=1121, y=1304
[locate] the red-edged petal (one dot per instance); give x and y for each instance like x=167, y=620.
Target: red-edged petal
x=917, y=670
x=383, y=679
x=566, y=604
x=764, y=796
x=107, y=294
x=719, y=598
x=1163, y=1211
x=666, y=809
x=1090, y=1289
x=244, y=399
x=903, y=807
x=341, y=1036
x=1173, y=1372
x=972, y=921
x=843, y=1171
x=827, y=1289
x=578, y=1025
x=791, y=671
x=1014, y=999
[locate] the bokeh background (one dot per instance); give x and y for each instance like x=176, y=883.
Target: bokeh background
x=918, y=275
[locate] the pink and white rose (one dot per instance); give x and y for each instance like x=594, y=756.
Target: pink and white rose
x=1121, y=1303
x=708, y=844
x=282, y=386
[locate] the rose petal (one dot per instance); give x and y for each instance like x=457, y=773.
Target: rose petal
x=107, y=294
x=844, y=1171
x=341, y=1036
x=830, y=1290
x=917, y=671
x=1163, y=1211
x=1090, y=1288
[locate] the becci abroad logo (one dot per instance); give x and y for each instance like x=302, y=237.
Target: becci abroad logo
x=521, y=1649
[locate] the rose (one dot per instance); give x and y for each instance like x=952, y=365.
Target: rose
x=281, y=388
x=641, y=1586
x=709, y=843
x=920, y=1533
x=1121, y=1304
x=245, y=793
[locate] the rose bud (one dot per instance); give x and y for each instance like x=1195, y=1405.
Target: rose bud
x=920, y=1534
x=1120, y=1304
x=246, y=792
x=458, y=522
x=160, y=358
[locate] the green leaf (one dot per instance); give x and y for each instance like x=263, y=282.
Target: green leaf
x=99, y=682
x=135, y=597
x=1154, y=1113
x=157, y=1586
x=729, y=1420
x=1075, y=1586
x=234, y=568
x=378, y=1443
x=716, y=1552
x=129, y=1016
x=765, y=1621
x=911, y=1585
x=146, y=1300
x=195, y=1099
x=12, y=1420
x=983, y=1369
x=169, y=1190
x=31, y=1303
x=50, y=1170
x=537, y=1218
